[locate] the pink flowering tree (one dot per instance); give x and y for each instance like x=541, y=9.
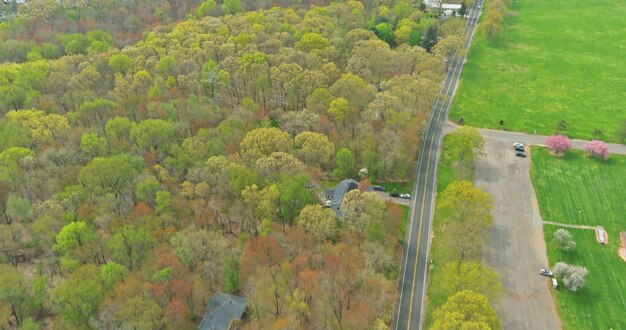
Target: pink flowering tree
x=598, y=149
x=558, y=144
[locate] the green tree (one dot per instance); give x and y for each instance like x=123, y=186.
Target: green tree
x=206, y=7
x=121, y=63
x=109, y=174
x=16, y=292
x=311, y=41
x=474, y=276
x=264, y=141
x=466, y=310
x=78, y=297
x=468, y=213
x=129, y=246
x=339, y=109
x=314, y=149
x=384, y=31
x=146, y=189
x=345, y=164
x=163, y=200
x=153, y=134
x=111, y=273
x=230, y=7
x=76, y=241
x=93, y=145
x=564, y=240
x=319, y=221
x=364, y=213
x=294, y=195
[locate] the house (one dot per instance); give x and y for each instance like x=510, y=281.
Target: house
x=223, y=312
x=447, y=9
x=332, y=197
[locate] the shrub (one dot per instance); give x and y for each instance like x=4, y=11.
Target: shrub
x=558, y=144
x=573, y=277
x=598, y=149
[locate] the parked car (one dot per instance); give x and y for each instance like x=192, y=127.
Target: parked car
x=520, y=154
x=406, y=196
x=519, y=149
x=378, y=188
x=518, y=145
x=394, y=194
x=545, y=272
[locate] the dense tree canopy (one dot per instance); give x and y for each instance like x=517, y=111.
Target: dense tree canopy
x=155, y=152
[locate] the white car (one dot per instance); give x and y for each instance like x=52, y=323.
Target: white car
x=518, y=145
x=406, y=196
x=545, y=272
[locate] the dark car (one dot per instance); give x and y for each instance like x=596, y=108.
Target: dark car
x=520, y=154
x=378, y=188
x=394, y=194
x=519, y=149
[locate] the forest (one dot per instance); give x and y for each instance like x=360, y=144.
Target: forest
x=153, y=153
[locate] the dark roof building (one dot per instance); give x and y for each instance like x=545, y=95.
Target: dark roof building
x=223, y=312
x=333, y=197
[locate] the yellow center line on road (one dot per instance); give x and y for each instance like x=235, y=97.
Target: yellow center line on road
x=456, y=64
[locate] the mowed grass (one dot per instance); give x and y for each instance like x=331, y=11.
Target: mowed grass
x=578, y=190
x=557, y=59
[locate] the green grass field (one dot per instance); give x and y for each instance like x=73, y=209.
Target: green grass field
x=557, y=59
x=577, y=190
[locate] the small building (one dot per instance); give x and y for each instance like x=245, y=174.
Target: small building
x=223, y=312
x=332, y=197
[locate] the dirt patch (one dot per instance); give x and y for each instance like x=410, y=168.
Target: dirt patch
x=516, y=249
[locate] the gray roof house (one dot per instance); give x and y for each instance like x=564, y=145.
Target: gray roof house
x=223, y=312
x=332, y=197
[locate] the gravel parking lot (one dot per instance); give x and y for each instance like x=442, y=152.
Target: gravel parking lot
x=516, y=249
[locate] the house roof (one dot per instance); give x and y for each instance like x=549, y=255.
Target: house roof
x=221, y=310
x=342, y=188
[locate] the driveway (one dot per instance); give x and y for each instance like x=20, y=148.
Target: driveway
x=516, y=249
x=396, y=200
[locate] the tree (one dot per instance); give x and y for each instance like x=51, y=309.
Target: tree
x=314, y=149
x=129, y=245
x=205, y=8
x=364, y=213
x=109, y=175
x=598, y=149
x=573, y=277
x=430, y=39
x=77, y=241
x=153, y=134
x=42, y=128
x=193, y=247
x=111, y=273
x=318, y=220
x=311, y=41
x=469, y=143
x=474, y=276
x=384, y=31
x=120, y=63
x=558, y=144
x=466, y=310
x=230, y=7
x=79, y=296
x=468, y=212
x=294, y=194
x=564, y=240
x=344, y=164
x=278, y=163
x=96, y=112
x=339, y=109
x=93, y=145
x=16, y=292
x=264, y=141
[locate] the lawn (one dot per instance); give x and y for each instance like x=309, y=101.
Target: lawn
x=577, y=190
x=555, y=60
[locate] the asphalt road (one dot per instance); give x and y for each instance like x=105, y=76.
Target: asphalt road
x=412, y=284
x=532, y=139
